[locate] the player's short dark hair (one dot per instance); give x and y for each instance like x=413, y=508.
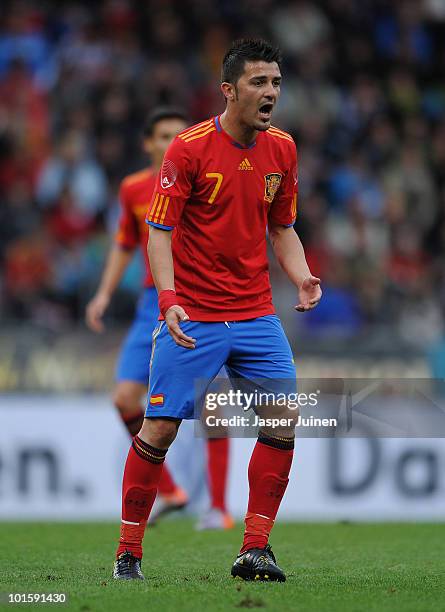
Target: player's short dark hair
x=247, y=50
x=159, y=114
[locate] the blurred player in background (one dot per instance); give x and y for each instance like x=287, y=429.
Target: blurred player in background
x=132, y=370
x=222, y=184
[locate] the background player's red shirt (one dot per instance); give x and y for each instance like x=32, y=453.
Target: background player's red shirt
x=221, y=196
x=134, y=195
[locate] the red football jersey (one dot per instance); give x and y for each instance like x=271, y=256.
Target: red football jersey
x=134, y=195
x=221, y=196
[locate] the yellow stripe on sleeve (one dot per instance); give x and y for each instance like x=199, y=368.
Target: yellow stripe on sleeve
x=294, y=206
x=164, y=212
x=150, y=215
x=158, y=210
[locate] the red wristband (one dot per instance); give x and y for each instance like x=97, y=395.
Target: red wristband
x=167, y=299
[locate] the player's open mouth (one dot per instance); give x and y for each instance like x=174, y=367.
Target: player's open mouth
x=266, y=111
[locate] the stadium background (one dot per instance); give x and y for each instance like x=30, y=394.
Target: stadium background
x=363, y=96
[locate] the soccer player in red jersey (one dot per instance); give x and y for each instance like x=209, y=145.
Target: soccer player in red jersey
x=222, y=185
x=132, y=370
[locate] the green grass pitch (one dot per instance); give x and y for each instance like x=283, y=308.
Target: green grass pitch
x=332, y=567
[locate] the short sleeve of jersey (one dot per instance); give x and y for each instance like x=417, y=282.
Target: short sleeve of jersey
x=173, y=187
x=283, y=210
x=127, y=235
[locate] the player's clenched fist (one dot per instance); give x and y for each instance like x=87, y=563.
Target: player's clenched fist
x=309, y=294
x=173, y=317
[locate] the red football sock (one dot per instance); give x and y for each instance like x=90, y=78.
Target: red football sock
x=269, y=469
x=133, y=421
x=141, y=477
x=217, y=465
x=167, y=485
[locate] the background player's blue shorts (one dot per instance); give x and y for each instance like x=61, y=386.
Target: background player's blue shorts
x=253, y=350
x=134, y=359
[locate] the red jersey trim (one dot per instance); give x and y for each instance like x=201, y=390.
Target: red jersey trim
x=163, y=227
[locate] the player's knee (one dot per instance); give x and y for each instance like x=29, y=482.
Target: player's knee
x=278, y=422
x=160, y=433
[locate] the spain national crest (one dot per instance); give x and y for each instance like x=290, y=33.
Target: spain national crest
x=272, y=182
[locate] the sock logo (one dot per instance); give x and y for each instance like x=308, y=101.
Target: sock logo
x=136, y=502
x=277, y=488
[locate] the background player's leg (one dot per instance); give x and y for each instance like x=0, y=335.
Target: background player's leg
x=217, y=466
x=128, y=397
x=218, y=451
x=141, y=479
x=217, y=517
x=167, y=485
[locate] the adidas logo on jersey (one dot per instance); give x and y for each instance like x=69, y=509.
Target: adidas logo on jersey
x=245, y=165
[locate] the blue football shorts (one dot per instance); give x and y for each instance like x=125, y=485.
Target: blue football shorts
x=251, y=350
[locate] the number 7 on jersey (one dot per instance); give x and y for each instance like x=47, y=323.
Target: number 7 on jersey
x=219, y=179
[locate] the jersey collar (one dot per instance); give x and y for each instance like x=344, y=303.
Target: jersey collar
x=229, y=138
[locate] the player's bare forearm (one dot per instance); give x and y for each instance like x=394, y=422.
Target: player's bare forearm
x=117, y=262
x=289, y=253
x=161, y=265
x=161, y=258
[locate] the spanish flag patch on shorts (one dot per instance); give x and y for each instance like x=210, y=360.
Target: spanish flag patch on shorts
x=157, y=400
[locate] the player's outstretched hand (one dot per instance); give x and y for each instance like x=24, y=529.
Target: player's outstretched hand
x=174, y=316
x=95, y=311
x=309, y=294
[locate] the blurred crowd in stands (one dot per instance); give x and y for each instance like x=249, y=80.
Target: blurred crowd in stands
x=363, y=95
